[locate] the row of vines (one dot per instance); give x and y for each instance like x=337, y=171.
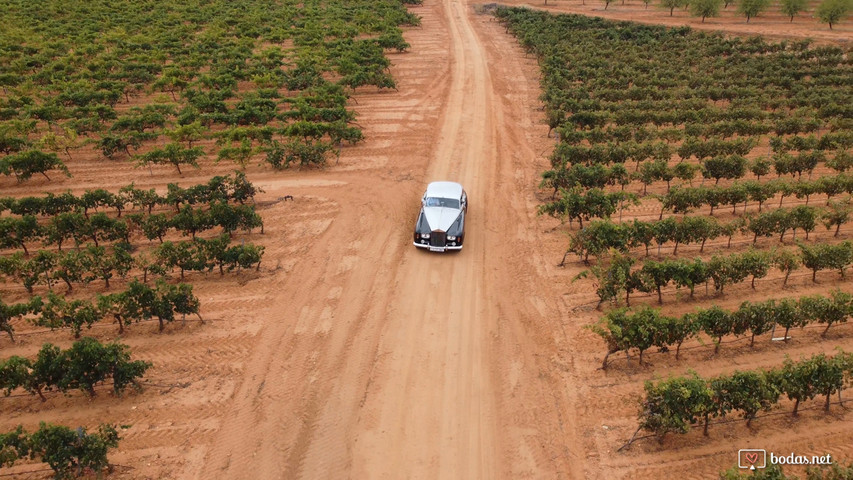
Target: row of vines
x=665, y=126
x=169, y=84
x=828, y=11
x=107, y=236
x=148, y=83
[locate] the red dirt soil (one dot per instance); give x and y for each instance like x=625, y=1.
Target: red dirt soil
x=351, y=354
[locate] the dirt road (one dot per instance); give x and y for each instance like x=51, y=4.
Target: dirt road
x=378, y=360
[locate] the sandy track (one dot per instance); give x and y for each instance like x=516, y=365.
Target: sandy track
x=361, y=357
x=391, y=362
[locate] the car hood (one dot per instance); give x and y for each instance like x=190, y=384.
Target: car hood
x=441, y=218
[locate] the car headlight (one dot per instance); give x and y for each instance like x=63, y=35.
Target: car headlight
x=451, y=238
x=425, y=235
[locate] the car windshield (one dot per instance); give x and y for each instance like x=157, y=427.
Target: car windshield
x=442, y=202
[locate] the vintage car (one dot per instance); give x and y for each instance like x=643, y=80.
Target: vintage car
x=441, y=223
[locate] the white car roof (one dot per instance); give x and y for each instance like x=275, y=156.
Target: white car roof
x=444, y=190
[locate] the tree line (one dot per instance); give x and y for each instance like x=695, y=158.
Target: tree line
x=138, y=302
x=583, y=204
x=18, y=232
x=23, y=165
x=70, y=453
x=730, y=167
x=218, y=189
x=624, y=330
x=645, y=101
x=92, y=263
x=678, y=403
x=828, y=11
x=83, y=366
x=600, y=236
x=618, y=277
x=684, y=199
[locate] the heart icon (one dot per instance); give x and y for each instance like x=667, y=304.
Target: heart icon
x=752, y=457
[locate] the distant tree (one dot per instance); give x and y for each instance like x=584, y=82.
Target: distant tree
x=749, y=392
x=231, y=218
x=685, y=171
x=16, y=310
x=724, y=167
x=113, y=143
x=189, y=220
x=832, y=11
x=757, y=318
x=174, y=154
x=786, y=261
x=240, y=154
x=803, y=217
x=842, y=161
x=57, y=312
x=672, y=5
x=187, y=133
x=26, y=164
x=789, y=315
x=715, y=322
x=793, y=7
x=672, y=405
x=107, y=228
x=89, y=362
x=751, y=8
x=72, y=267
x=614, y=279
x=829, y=310
x=60, y=142
x=93, y=199
x=70, y=451
x=760, y=166
x=239, y=188
x=184, y=255
x=705, y=8
x=149, y=265
x=16, y=232
x=155, y=226
x=794, y=380
x=144, y=200
x=837, y=214
x=828, y=376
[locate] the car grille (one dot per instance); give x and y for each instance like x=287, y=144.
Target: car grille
x=437, y=239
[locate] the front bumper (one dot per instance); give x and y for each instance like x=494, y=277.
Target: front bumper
x=437, y=249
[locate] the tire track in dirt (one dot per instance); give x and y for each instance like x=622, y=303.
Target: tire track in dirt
x=310, y=366
x=386, y=362
x=431, y=403
x=461, y=389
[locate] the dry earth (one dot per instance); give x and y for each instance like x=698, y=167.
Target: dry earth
x=351, y=354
